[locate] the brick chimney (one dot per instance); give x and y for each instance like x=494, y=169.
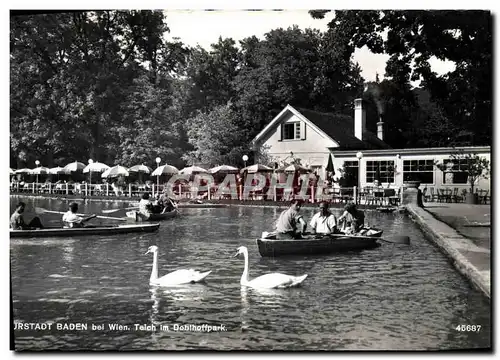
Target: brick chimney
x=359, y=118
x=380, y=128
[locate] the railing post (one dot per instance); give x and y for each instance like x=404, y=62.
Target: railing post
x=34, y=192
x=67, y=189
x=107, y=189
x=86, y=189
x=312, y=194
x=355, y=194
x=130, y=190
x=275, y=196
x=153, y=187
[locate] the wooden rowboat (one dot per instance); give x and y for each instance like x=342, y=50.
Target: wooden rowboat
x=152, y=217
x=311, y=245
x=98, y=230
x=197, y=205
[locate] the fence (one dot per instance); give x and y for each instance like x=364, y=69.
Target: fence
x=311, y=194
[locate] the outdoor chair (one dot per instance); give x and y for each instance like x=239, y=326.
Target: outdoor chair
x=456, y=197
x=483, y=195
x=434, y=195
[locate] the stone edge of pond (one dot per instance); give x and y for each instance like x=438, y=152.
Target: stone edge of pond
x=449, y=241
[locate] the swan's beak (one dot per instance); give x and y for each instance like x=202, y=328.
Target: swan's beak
x=236, y=255
x=147, y=252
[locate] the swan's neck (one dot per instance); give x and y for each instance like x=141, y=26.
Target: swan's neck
x=244, y=276
x=154, y=270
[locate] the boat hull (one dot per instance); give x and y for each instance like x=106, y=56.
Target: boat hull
x=104, y=230
x=312, y=246
x=152, y=217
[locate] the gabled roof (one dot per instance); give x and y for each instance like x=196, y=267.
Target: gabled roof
x=341, y=129
x=338, y=127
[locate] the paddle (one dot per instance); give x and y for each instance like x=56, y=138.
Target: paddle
x=39, y=210
x=115, y=210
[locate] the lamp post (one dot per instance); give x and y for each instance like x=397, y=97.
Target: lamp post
x=359, y=155
x=90, y=171
x=37, y=163
x=158, y=160
x=245, y=159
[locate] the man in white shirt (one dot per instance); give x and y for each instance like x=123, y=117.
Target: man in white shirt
x=323, y=222
x=72, y=220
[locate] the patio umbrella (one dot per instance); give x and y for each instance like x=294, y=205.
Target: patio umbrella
x=223, y=169
x=57, y=170
x=140, y=168
x=256, y=168
x=293, y=168
x=23, y=171
x=39, y=170
x=329, y=166
x=115, y=171
x=95, y=167
x=165, y=170
x=74, y=166
x=192, y=170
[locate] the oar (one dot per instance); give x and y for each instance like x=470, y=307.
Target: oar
x=39, y=210
x=115, y=210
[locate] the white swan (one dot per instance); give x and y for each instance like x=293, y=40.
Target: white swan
x=177, y=277
x=268, y=281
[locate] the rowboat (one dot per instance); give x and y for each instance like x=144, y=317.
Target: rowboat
x=98, y=230
x=326, y=244
x=152, y=217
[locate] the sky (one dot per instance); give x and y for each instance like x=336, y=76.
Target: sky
x=198, y=27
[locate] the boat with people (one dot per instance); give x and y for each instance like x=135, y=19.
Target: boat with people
x=152, y=216
x=269, y=246
x=84, y=231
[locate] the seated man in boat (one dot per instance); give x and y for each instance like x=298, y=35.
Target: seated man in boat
x=166, y=202
x=287, y=226
x=324, y=222
x=354, y=217
x=17, y=220
x=146, y=205
x=72, y=220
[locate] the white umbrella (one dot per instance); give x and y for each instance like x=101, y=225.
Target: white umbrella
x=223, y=169
x=23, y=171
x=39, y=171
x=95, y=167
x=74, y=166
x=140, y=168
x=193, y=169
x=57, y=170
x=165, y=170
x=115, y=171
x=252, y=169
x=293, y=168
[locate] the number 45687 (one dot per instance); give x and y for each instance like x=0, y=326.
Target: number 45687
x=474, y=328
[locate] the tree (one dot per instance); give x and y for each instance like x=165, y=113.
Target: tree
x=414, y=38
x=216, y=138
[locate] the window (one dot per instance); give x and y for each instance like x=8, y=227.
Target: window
x=382, y=169
x=456, y=171
x=419, y=170
x=291, y=131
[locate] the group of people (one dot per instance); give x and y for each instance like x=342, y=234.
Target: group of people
x=291, y=224
x=70, y=219
x=162, y=204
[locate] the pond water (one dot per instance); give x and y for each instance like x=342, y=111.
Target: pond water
x=395, y=297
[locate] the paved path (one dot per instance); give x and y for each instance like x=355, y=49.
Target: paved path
x=463, y=232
